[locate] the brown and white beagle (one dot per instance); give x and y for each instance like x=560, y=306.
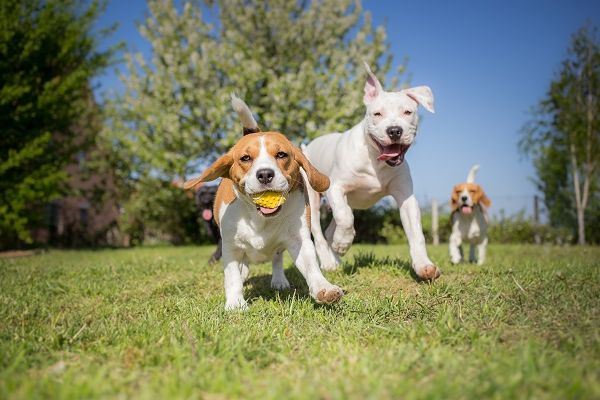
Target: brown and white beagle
x=469, y=219
x=265, y=162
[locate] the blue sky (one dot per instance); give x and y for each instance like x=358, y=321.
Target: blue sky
x=487, y=62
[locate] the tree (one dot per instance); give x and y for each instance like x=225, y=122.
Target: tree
x=564, y=138
x=47, y=57
x=297, y=64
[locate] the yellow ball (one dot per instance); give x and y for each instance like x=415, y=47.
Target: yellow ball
x=269, y=199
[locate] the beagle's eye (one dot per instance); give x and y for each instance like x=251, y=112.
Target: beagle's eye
x=408, y=112
x=245, y=158
x=281, y=154
x=377, y=114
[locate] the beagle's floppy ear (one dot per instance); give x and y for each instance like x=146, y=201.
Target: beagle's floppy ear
x=317, y=180
x=423, y=96
x=372, y=86
x=219, y=168
x=484, y=199
x=454, y=198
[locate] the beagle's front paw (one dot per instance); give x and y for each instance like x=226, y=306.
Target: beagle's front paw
x=330, y=295
x=428, y=272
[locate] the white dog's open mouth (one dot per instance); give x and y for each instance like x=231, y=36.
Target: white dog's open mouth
x=392, y=154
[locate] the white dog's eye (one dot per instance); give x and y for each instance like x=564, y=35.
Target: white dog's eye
x=408, y=112
x=377, y=114
x=245, y=158
x=281, y=154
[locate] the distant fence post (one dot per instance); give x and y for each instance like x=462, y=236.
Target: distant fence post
x=434, y=222
x=536, y=219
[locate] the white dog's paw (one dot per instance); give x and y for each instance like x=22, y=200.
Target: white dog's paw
x=329, y=295
x=341, y=248
x=428, y=272
x=280, y=283
x=328, y=260
x=236, y=305
x=342, y=240
x=455, y=260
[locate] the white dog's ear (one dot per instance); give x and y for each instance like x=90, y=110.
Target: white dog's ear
x=423, y=96
x=372, y=86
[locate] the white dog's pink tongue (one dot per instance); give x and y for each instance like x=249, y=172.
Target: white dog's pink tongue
x=267, y=211
x=389, y=152
x=466, y=210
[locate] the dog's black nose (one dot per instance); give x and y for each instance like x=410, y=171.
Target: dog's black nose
x=464, y=198
x=394, y=132
x=265, y=175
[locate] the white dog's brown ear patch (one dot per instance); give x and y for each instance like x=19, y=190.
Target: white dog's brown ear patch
x=422, y=95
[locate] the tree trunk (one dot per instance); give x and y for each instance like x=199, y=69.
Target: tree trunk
x=580, y=226
x=578, y=203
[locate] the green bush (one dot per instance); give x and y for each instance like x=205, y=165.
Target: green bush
x=518, y=229
x=158, y=212
x=381, y=224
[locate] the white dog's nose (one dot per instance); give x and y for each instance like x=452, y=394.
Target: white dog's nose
x=394, y=132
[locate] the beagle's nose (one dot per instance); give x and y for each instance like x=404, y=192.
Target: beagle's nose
x=265, y=175
x=464, y=198
x=394, y=132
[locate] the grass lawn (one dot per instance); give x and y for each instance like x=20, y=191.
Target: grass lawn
x=150, y=323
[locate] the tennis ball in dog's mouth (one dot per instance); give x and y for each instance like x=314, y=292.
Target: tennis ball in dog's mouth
x=269, y=199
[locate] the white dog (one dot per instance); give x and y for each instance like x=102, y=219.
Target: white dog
x=265, y=164
x=367, y=163
x=469, y=219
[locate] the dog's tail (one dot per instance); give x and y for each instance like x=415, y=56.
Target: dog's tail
x=243, y=111
x=472, y=172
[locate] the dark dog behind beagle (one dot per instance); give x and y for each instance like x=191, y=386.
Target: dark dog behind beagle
x=205, y=200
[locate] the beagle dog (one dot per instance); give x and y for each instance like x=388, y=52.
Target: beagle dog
x=469, y=219
x=265, y=164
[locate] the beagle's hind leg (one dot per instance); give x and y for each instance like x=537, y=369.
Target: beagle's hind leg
x=278, y=279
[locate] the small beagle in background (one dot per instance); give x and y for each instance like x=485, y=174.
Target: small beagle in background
x=265, y=165
x=469, y=219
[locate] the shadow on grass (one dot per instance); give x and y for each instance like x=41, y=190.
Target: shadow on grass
x=260, y=286
x=369, y=260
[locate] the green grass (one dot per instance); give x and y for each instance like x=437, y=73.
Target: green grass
x=149, y=323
